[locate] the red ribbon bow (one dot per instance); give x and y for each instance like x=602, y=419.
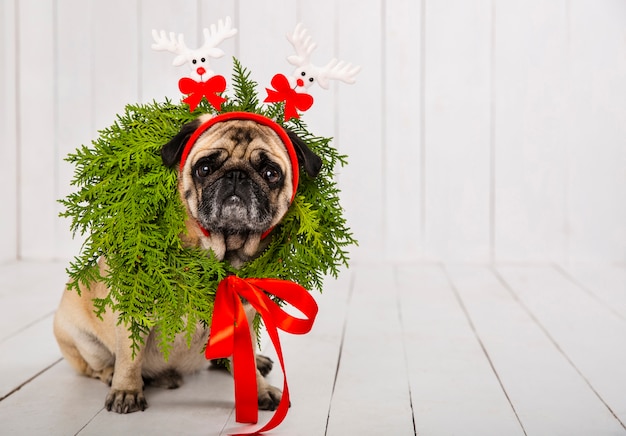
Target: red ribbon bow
x=294, y=101
x=209, y=89
x=230, y=335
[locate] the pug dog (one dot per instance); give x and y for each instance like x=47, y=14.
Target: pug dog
x=236, y=183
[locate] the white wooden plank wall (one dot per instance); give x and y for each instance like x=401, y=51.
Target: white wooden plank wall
x=8, y=134
x=477, y=131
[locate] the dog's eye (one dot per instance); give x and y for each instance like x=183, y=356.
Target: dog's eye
x=311, y=79
x=202, y=60
x=204, y=168
x=303, y=73
x=203, y=171
x=193, y=61
x=271, y=175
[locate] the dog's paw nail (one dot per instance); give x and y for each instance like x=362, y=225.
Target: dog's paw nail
x=121, y=401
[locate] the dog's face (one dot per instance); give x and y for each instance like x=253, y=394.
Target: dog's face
x=237, y=178
x=236, y=181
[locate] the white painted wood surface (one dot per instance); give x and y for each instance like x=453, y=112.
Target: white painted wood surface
x=372, y=340
x=477, y=131
x=540, y=380
x=9, y=222
x=453, y=388
x=412, y=348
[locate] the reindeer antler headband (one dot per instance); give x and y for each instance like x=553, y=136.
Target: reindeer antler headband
x=291, y=91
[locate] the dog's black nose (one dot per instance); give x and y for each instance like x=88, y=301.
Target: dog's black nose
x=237, y=180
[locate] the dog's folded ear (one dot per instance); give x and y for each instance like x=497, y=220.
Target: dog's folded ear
x=173, y=150
x=311, y=162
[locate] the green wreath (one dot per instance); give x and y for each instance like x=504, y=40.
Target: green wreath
x=128, y=206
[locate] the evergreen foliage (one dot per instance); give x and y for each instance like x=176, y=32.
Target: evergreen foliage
x=128, y=206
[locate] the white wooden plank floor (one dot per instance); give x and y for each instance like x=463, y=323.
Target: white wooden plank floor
x=405, y=349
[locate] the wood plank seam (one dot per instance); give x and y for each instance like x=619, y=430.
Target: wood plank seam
x=588, y=291
x=406, y=356
x=341, y=344
x=26, y=326
x=89, y=421
x=455, y=291
x=545, y=331
x=224, y=430
x=25, y=382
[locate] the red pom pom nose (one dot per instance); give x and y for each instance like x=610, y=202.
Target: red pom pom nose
x=300, y=83
x=200, y=71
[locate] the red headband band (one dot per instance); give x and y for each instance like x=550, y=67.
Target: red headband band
x=260, y=119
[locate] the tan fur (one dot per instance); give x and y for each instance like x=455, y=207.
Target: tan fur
x=102, y=348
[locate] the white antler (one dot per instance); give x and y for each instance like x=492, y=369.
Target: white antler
x=172, y=44
x=214, y=37
x=338, y=70
x=198, y=60
x=306, y=73
x=303, y=44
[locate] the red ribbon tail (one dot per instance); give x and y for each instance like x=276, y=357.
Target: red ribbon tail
x=230, y=332
x=230, y=335
x=283, y=405
x=244, y=373
x=221, y=338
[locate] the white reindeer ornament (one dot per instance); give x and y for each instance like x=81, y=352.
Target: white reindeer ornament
x=294, y=90
x=203, y=83
x=198, y=59
x=306, y=73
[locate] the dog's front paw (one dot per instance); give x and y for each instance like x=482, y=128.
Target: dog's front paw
x=269, y=397
x=264, y=364
x=121, y=401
